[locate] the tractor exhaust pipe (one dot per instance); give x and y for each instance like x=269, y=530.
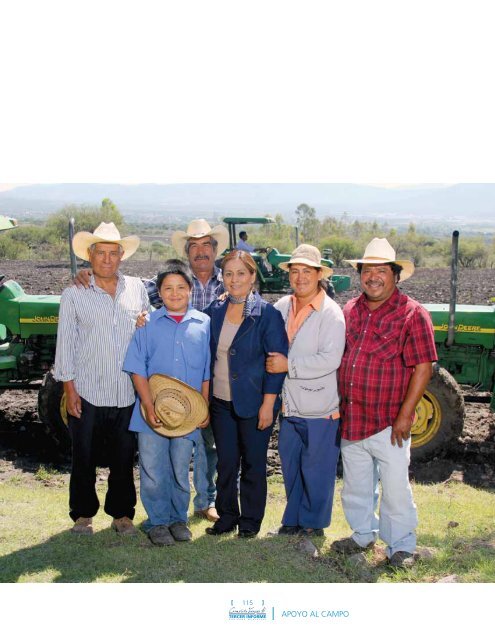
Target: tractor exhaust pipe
x=453, y=289
x=73, y=259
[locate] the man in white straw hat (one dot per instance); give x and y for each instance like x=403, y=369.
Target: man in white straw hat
x=385, y=369
x=200, y=244
x=95, y=327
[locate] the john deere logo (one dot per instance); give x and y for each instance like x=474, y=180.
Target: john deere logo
x=465, y=328
x=40, y=320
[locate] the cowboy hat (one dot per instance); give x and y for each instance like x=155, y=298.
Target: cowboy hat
x=379, y=251
x=200, y=229
x=105, y=232
x=179, y=407
x=309, y=255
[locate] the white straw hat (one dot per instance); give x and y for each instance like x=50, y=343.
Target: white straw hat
x=379, y=251
x=178, y=406
x=200, y=229
x=307, y=254
x=105, y=232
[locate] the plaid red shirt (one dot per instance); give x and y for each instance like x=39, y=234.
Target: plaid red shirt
x=382, y=348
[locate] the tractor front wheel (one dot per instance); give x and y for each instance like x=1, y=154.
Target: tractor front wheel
x=51, y=410
x=439, y=416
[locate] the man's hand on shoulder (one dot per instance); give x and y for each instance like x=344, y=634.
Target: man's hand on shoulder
x=82, y=278
x=141, y=319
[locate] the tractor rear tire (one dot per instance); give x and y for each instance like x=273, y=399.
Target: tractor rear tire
x=50, y=411
x=439, y=417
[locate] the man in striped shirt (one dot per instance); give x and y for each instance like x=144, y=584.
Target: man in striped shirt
x=95, y=327
x=200, y=244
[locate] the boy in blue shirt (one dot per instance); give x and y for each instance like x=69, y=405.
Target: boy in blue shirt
x=174, y=342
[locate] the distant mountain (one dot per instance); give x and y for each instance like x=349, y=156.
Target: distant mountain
x=475, y=202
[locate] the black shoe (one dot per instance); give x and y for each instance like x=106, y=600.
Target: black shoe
x=402, y=560
x=247, y=533
x=307, y=531
x=286, y=530
x=349, y=547
x=180, y=532
x=215, y=531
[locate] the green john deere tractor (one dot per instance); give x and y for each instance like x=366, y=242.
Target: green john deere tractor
x=271, y=278
x=465, y=340
x=28, y=335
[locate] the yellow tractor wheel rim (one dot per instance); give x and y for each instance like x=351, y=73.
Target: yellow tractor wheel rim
x=428, y=420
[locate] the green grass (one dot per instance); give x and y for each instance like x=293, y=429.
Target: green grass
x=36, y=546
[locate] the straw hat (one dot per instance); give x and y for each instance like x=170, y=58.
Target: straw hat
x=307, y=254
x=379, y=251
x=179, y=407
x=199, y=229
x=105, y=232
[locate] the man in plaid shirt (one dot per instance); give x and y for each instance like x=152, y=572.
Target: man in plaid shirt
x=385, y=369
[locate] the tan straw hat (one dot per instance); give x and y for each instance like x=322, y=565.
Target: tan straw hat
x=199, y=229
x=379, y=251
x=179, y=407
x=307, y=254
x=105, y=232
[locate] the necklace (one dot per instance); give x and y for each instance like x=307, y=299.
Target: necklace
x=235, y=300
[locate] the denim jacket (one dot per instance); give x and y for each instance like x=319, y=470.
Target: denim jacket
x=263, y=331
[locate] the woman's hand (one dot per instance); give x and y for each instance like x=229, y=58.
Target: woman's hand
x=276, y=363
x=265, y=414
x=141, y=319
x=265, y=417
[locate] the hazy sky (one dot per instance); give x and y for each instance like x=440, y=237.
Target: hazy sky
x=364, y=92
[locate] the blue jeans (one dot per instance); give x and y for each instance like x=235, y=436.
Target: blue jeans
x=204, y=470
x=164, y=475
x=309, y=451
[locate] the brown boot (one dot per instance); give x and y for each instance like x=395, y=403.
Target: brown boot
x=83, y=526
x=124, y=526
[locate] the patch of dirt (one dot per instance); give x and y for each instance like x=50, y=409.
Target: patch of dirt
x=24, y=444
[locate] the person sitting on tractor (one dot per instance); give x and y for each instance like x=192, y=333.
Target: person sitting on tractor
x=95, y=328
x=243, y=244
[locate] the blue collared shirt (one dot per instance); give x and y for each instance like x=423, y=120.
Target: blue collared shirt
x=177, y=349
x=94, y=331
x=201, y=295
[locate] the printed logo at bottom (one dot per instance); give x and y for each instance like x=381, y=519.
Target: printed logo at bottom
x=247, y=610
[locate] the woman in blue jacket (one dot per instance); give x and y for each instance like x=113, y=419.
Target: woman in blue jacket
x=244, y=397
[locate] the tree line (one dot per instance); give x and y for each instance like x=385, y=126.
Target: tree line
x=343, y=237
